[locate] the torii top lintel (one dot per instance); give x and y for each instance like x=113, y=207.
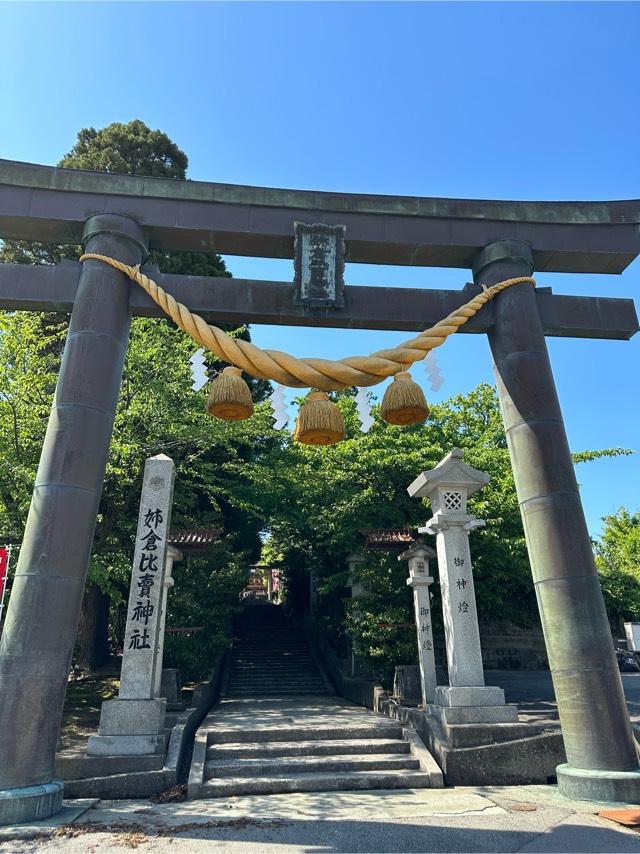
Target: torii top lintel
x=52, y=204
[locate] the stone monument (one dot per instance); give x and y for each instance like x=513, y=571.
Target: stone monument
x=134, y=723
x=466, y=699
x=420, y=581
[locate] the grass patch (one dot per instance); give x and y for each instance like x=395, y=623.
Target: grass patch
x=81, y=714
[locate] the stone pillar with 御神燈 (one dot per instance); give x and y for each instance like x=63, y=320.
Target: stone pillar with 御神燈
x=420, y=581
x=466, y=699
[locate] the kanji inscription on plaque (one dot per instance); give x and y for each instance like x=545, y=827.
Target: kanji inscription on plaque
x=319, y=265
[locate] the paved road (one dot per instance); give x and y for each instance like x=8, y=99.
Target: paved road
x=490, y=819
x=531, y=685
x=532, y=690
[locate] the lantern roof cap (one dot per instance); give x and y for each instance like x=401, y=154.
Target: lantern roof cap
x=418, y=549
x=451, y=471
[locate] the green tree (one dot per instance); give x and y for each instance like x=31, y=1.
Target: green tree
x=157, y=409
x=317, y=501
x=618, y=561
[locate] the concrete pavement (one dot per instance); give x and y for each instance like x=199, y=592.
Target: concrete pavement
x=489, y=819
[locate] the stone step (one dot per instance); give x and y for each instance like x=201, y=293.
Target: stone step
x=71, y=765
x=293, y=733
x=277, y=685
x=269, y=651
x=266, y=678
x=270, y=636
x=270, y=767
x=271, y=640
x=240, y=693
x=270, y=678
x=341, y=747
x=299, y=665
x=259, y=644
x=284, y=655
x=269, y=682
x=334, y=782
x=271, y=691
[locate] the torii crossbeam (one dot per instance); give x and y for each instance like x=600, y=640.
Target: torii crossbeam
x=124, y=216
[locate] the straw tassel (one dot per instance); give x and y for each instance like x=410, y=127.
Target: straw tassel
x=404, y=401
x=230, y=396
x=319, y=421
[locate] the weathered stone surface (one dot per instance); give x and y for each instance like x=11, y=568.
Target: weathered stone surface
x=136, y=784
x=585, y=785
x=448, y=487
x=484, y=754
x=78, y=766
x=249, y=746
x=138, y=675
x=475, y=696
x=173, y=555
x=407, y=686
x=420, y=581
x=464, y=653
x=132, y=717
x=30, y=803
x=126, y=745
x=171, y=685
x=475, y=714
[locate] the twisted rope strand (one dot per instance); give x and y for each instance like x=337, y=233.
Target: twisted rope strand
x=325, y=374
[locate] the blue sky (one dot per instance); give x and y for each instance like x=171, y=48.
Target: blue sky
x=499, y=100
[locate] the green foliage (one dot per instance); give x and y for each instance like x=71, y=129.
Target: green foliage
x=208, y=593
x=618, y=562
x=157, y=410
x=130, y=149
x=319, y=499
x=605, y=453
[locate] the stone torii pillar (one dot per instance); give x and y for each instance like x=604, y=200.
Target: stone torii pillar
x=42, y=617
x=602, y=758
x=420, y=581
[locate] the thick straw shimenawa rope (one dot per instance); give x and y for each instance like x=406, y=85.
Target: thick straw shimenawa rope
x=325, y=374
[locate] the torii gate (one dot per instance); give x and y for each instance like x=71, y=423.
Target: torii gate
x=122, y=216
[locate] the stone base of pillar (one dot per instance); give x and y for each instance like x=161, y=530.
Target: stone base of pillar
x=480, y=704
x=130, y=728
x=581, y=784
x=30, y=803
x=127, y=745
x=474, y=714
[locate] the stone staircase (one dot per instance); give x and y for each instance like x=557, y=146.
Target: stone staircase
x=271, y=658
x=304, y=744
x=277, y=728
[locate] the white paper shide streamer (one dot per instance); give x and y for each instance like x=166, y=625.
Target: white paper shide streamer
x=198, y=370
x=363, y=408
x=279, y=405
x=432, y=368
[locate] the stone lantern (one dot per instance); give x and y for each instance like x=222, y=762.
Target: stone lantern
x=466, y=699
x=420, y=581
x=358, y=589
